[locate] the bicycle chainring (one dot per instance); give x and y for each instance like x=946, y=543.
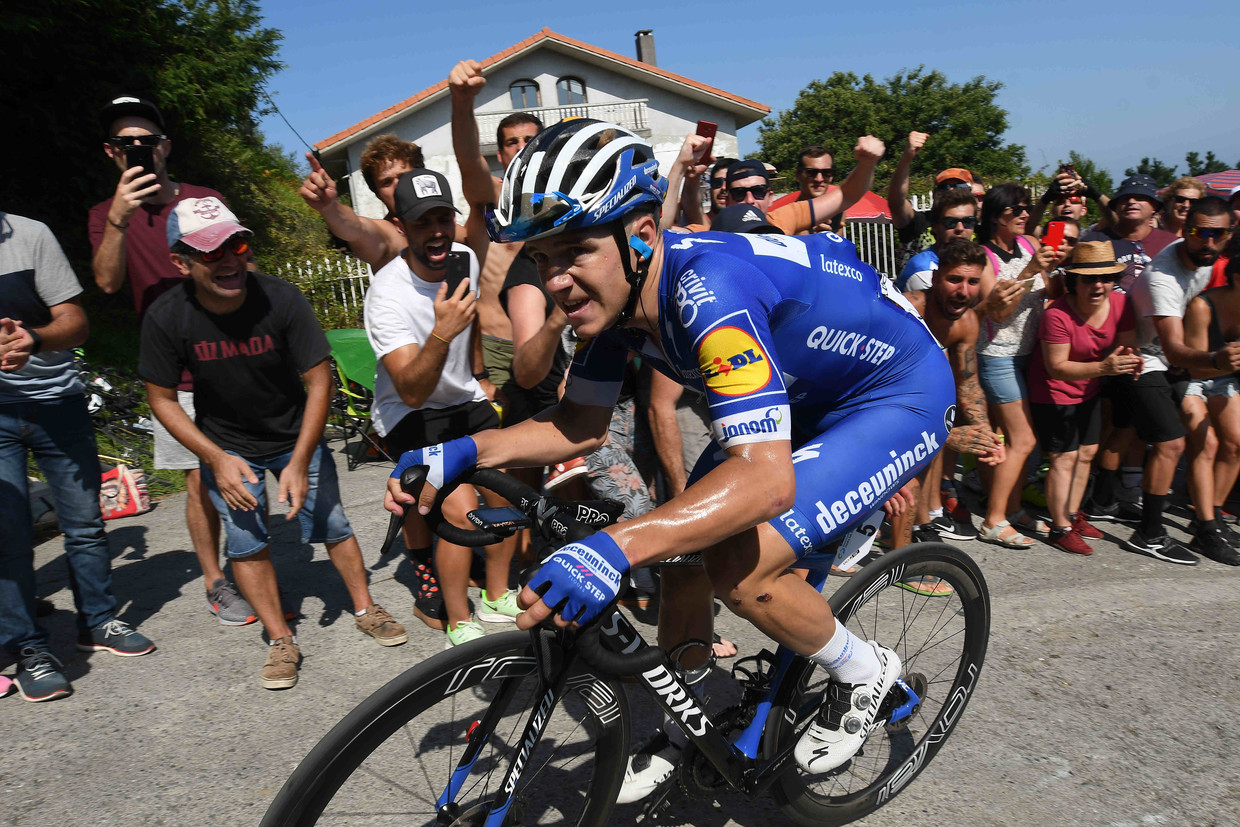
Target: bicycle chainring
x=698, y=776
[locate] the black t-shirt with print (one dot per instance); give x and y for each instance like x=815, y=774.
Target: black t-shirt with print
x=246, y=365
x=525, y=402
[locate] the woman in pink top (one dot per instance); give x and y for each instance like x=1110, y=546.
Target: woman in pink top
x=1078, y=337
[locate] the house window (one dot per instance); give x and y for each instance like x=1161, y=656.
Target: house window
x=570, y=91
x=524, y=94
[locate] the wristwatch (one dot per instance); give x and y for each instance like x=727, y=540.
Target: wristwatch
x=37, y=340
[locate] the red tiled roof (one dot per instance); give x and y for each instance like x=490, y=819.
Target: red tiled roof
x=545, y=34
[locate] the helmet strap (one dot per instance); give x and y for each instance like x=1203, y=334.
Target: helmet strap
x=635, y=276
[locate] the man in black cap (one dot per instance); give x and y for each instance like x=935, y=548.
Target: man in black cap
x=749, y=183
x=1136, y=241
x=743, y=218
x=127, y=235
x=425, y=386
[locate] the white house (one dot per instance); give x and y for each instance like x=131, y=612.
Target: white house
x=553, y=77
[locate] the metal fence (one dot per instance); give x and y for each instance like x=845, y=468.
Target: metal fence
x=335, y=287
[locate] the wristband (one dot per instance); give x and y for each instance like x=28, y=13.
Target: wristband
x=483, y=374
x=440, y=338
x=1090, y=191
x=118, y=225
x=37, y=340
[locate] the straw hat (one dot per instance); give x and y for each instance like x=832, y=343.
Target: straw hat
x=1094, y=258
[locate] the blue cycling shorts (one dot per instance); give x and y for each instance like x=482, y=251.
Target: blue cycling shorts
x=861, y=455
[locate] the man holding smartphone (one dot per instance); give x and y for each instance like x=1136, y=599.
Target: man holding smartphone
x=128, y=238
x=423, y=331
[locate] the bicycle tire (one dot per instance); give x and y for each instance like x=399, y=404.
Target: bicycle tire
x=390, y=758
x=941, y=641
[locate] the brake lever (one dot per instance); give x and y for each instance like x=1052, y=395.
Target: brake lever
x=411, y=481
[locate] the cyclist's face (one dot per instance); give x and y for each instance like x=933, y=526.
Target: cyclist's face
x=583, y=273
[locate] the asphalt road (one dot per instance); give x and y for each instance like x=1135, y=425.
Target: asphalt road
x=1108, y=695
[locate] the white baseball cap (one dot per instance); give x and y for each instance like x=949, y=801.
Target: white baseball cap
x=203, y=223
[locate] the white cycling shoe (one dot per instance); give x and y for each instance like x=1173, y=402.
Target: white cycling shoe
x=649, y=767
x=846, y=717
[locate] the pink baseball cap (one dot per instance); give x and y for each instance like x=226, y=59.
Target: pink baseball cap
x=203, y=223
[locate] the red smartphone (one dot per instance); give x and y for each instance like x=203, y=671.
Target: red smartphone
x=1053, y=237
x=707, y=130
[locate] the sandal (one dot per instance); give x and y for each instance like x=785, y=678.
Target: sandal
x=720, y=648
x=995, y=536
x=1024, y=520
x=848, y=572
x=927, y=585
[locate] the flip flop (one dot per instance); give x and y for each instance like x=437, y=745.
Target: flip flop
x=849, y=572
x=927, y=585
x=5, y=686
x=1024, y=520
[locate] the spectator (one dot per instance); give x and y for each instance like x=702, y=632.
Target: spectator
x=1135, y=239
x=946, y=308
x=1213, y=320
x=1066, y=197
x=912, y=226
x=815, y=172
x=127, y=234
x=952, y=216
x=374, y=241
x=1161, y=296
x=1008, y=336
x=1233, y=204
x=251, y=341
x=43, y=411
x=719, y=186
x=425, y=390
x=1078, y=337
x=1182, y=194
x=979, y=192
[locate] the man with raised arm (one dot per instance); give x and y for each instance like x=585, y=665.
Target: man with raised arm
x=373, y=240
x=129, y=243
x=795, y=343
x=912, y=226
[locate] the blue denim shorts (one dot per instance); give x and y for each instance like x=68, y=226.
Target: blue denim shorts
x=1003, y=378
x=322, y=517
x=1218, y=386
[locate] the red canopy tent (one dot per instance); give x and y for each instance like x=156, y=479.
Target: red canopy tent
x=870, y=206
x=1220, y=183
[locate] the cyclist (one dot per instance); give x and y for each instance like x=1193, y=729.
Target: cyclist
x=827, y=394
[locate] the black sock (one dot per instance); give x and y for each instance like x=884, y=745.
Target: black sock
x=1152, y=506
x=419, y=555
x=1104, y=486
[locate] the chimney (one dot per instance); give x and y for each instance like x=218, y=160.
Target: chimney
x=645, y=47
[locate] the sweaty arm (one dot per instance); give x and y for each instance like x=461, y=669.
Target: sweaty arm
x=801, y=216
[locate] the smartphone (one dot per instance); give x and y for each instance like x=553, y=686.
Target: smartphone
x=1053, y=237
x=137, y=155
x=707, y=130
x=502, y=520
x=458, y=271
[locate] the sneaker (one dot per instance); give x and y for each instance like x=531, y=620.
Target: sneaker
x=948, y=526
x=846, y=717
x=1228, y=533
x=280, y=670
x=227, y=604
x=464, y=632
x=1112, y=512
x=1083, y=528
x=1226, y=516
x=652, y=764
x=953, y=506
x=117, y=637
x=562, y=472
x=428, y=599
x=927, y=533
x=1212, y=543
x=504, y=610
x=379, y=625
x=1161, y=547
x=1070, y=541
x=39, y=677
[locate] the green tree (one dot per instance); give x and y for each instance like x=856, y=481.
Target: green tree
x=1156, y=169
x=1196, y=166
x=964, y=121
x=204, y=62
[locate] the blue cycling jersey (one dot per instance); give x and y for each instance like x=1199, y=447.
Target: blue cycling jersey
x=776, y=331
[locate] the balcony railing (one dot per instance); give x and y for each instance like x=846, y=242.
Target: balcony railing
x=629, y=114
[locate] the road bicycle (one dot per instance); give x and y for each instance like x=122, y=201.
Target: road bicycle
x=534, y=727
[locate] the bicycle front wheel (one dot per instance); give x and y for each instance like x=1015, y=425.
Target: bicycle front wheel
x=393, y=756
x=941, y=640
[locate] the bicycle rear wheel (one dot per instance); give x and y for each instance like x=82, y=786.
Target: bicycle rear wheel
x=390, y=759
x=941, y=641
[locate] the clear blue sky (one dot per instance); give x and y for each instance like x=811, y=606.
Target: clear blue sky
x=1114, y=81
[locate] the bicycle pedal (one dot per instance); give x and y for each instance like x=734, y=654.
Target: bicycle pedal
x=754, y=671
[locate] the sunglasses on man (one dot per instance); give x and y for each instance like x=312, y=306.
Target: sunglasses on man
x=121, y=141
x=814, y=172
x=968, y=222
x=718, y=183
x=238, y=245
x=1207, y=233
x=759, y=192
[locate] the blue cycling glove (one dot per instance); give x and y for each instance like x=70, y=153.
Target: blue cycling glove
x=446, y=460
x=587, y=573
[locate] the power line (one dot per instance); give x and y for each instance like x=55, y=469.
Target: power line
x=286, y=123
